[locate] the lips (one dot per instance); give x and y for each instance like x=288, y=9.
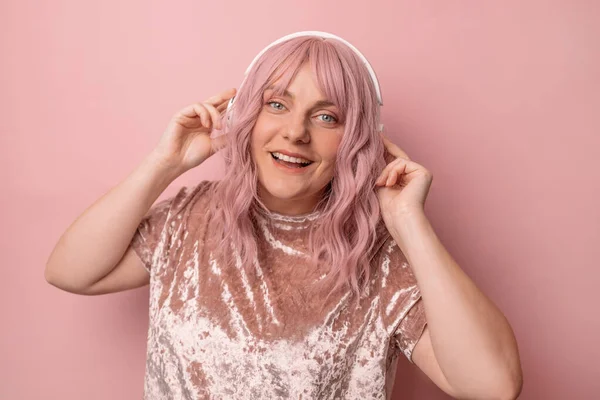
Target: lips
x=292, y=155
x=288, y=167
x=300, y=161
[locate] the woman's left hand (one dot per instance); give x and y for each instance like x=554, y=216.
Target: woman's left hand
x=402, y=186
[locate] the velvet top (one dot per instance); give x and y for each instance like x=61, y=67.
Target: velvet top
x=224, y=333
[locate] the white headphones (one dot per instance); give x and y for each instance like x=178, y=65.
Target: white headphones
x=324, y=35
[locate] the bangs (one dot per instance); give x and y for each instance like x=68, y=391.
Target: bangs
x=331, y=75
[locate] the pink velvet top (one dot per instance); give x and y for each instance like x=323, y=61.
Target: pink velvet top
x=223, y=333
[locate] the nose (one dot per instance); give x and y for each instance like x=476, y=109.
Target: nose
x=296, y=130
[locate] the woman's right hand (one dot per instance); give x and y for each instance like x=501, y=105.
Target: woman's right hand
x=186, y=142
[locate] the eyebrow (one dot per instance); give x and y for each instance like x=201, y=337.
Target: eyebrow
x=320, y=103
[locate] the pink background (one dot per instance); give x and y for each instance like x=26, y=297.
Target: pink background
x=500, y=100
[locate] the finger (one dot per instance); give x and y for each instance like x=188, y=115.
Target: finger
x=221, y=98
x=189, y=117
x=202, y=112
x=389, y=174
x=388, y=168
x=215, y=115
x=222, y=107
x=403, y=172
x=392, y=178
x=394, y=149
x=189, y=111
x=393, y=172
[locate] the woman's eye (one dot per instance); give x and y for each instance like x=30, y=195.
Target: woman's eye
x=328, y=118
x=276, y=105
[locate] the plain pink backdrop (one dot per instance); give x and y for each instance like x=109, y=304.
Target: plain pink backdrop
x=500, y=100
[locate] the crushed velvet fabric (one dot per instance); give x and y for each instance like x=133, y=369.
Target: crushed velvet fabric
x=222, y=333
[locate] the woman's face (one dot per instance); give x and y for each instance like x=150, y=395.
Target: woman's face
x=294, y=145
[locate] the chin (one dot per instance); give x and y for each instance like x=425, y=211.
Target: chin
x=284, y=190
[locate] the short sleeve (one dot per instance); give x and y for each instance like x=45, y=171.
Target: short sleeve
x=410, y=329
x=147, y=237
x=153, y=237
x=402, y=300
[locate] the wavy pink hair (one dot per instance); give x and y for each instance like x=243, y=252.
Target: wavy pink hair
x=348, y=230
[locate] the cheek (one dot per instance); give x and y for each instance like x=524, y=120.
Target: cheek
x=329, y=149
x=261, y=132
x=257, y=138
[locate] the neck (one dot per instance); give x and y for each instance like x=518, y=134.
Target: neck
x=291, y=207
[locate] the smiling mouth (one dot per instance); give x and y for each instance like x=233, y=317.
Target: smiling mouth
x=290, y=162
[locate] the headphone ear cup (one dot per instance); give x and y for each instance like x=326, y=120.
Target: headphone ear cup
x=230, y=112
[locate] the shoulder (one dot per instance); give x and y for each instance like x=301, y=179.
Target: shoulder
x=187, y=196
x=188, y=203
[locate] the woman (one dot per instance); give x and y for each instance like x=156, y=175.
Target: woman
x=307, y=269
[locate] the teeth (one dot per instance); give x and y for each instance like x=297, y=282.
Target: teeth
x=291, y=159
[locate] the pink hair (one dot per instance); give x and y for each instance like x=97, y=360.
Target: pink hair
x=347, y=232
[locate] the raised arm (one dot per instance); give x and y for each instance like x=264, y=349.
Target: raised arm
x=93, y=255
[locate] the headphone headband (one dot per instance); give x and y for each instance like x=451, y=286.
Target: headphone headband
x=324, y=35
